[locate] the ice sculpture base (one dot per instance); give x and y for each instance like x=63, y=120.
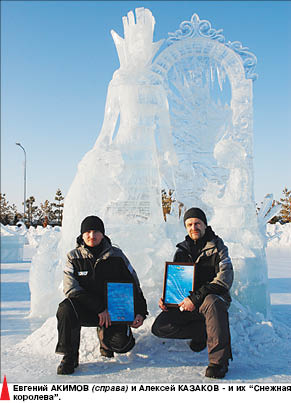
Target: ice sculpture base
x=250, y=286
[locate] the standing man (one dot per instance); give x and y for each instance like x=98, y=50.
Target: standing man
x=203, y=315
x=94, y=262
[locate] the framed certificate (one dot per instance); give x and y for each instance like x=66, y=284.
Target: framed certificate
x=178, y=282
x=120, y=302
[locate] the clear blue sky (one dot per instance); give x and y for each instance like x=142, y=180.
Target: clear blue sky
x=57, y=59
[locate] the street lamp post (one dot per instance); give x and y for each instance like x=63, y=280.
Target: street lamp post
x=24, y=196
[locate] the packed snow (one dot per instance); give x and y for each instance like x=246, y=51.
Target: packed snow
x=261, y=346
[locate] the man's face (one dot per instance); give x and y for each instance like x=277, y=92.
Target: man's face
x=195, y=228
x=92, y=238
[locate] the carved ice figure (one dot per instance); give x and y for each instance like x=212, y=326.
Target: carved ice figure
x=144, y=134
x=121, y=178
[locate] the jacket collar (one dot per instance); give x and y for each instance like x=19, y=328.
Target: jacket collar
x=208, y=244
x=104, y=253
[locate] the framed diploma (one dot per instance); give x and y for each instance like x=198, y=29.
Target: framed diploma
x=120, y=302
x=178, y=282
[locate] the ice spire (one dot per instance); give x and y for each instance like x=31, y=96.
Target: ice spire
x=137, y=49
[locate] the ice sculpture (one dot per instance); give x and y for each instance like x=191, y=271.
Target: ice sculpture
x=212, y=131
x=185, y=123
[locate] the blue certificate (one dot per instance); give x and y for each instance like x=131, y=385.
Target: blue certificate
x=120, y=302
x=178, y=282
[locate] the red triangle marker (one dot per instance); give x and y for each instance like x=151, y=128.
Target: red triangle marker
x=5, y=391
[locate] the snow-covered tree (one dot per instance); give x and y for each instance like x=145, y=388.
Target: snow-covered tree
x=59, y=206
x=285, y=201
x=7, y=212
x=32, y=212
x=46, y=212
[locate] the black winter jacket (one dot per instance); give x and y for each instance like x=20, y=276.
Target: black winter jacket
x=214, y=272
x=85, y=275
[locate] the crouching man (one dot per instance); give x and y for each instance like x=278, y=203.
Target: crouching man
x=89, y=266
x=203, y=315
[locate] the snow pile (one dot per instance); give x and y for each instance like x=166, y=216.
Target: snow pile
x=7, y=230
x=19, y=228
x=31, y=236
x=253, y=340
x=89, y=346
x=252, y=335
x=12, y=243
x=34, y=235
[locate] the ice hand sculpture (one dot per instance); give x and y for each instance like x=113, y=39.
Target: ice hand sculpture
x=266, y=213
x=137, y=49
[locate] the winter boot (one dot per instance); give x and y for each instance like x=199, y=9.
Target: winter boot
x=104, y=350
x=197, y=346
x=216, y=370
x=68, y=364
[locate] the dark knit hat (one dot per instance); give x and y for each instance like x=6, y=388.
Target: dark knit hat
x=92, y=223
x=195, y=212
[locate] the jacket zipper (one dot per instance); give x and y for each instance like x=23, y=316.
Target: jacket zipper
x=100, y=258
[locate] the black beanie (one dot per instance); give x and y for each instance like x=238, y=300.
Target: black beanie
x=92, y=223
x=195, y=212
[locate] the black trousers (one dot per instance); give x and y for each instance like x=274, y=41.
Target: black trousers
x=72, y=316
x=209, y=324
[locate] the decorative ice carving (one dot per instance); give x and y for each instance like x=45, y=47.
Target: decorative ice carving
x=196, y=27
x=266, y=213
x=213, y=138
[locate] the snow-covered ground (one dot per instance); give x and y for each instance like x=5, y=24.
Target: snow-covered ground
x=261, y=349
